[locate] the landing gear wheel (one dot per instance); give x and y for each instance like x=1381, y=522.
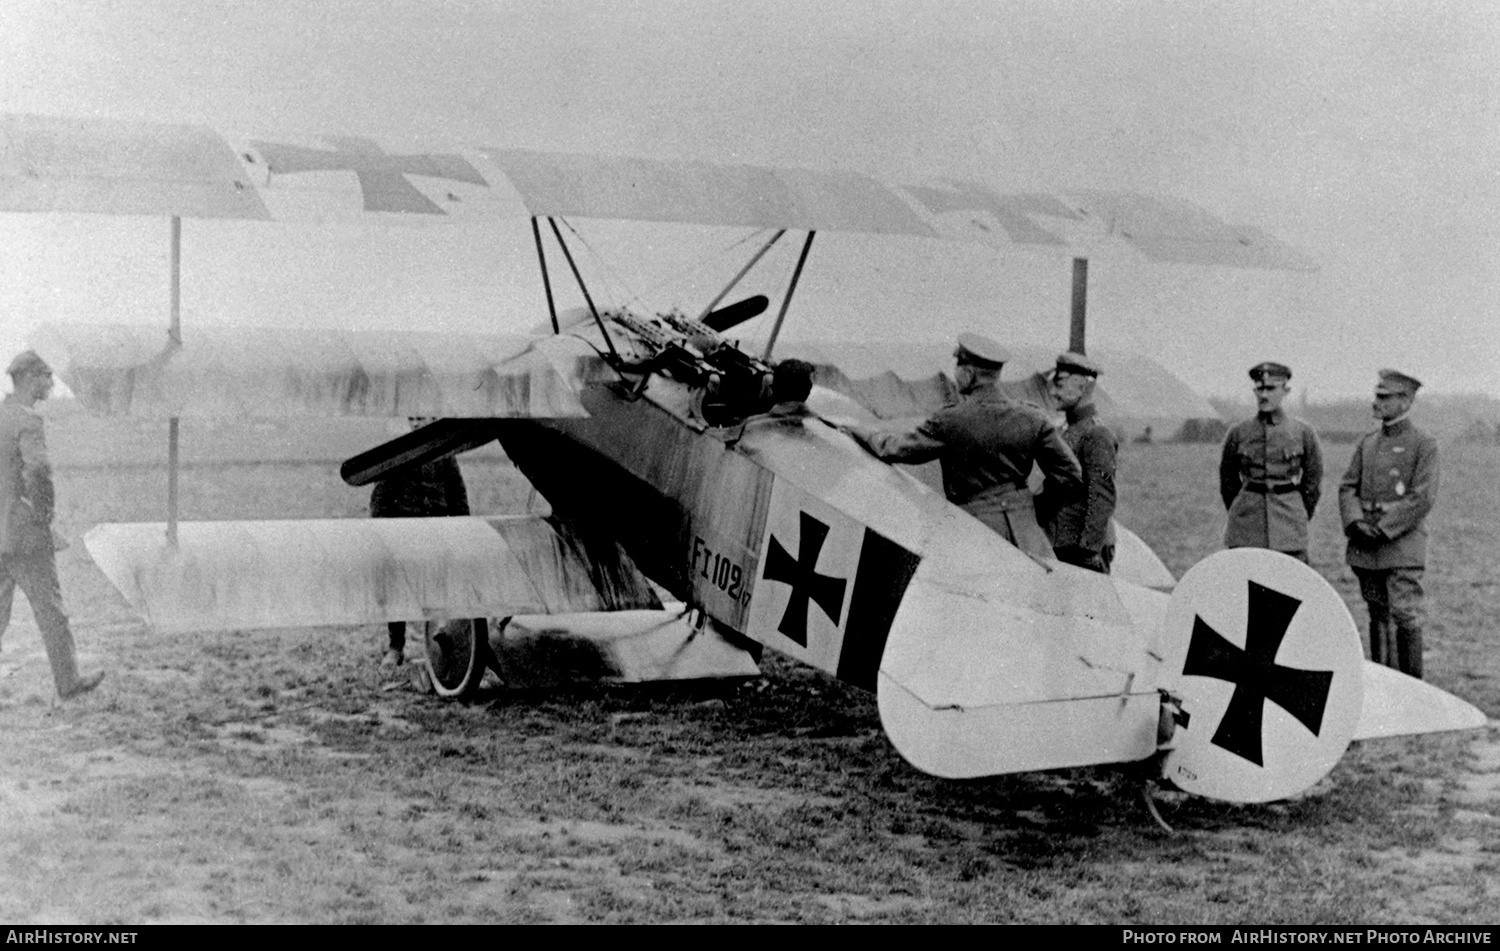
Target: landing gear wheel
x=458, y=653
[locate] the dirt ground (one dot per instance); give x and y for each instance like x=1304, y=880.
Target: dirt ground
x=278, y=776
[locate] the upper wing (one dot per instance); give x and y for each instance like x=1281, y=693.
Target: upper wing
x=188, y=170
x=270, y=372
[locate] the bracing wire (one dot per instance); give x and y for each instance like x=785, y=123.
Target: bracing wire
x=693, y=267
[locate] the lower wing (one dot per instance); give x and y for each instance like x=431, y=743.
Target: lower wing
x=307, y=573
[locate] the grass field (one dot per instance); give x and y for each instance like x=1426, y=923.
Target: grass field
x=269, y=776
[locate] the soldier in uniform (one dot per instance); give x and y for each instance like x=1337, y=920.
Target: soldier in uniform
x=1270, y=472
x=987, y=445
x=1384, y=496
x=417, y=491
x=1079, y=524
x=791, y=384
x=27, y=544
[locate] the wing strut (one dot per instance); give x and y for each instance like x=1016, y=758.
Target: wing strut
x=790, y=290
x=608, y=341
x=738, y=277
x=1080, y=303
x=541, y=257
x=174, y=331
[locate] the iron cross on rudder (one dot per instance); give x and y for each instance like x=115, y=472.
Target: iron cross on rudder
x=1256, y=675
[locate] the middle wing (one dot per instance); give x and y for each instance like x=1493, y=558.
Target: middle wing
x=259, y=372
x=904, y=380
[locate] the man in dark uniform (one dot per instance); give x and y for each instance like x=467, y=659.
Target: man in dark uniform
x=1270, y=472
x=27, y=543
x=1387, y=491
x=987, y=445
x=791, y=384
x=1079, y=524
x=417, y=491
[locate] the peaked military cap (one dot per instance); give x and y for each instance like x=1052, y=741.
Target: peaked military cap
x=1076, y=363
x=27, y=361
x=1394, y=381
x=1270, y=370
x=980, y=351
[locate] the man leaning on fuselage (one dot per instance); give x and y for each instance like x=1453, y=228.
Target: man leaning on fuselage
x=1270, y=471
x=986, y=444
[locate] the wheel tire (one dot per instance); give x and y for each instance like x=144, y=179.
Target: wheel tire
x=458, y=653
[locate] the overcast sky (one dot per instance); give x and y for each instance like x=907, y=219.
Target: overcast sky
x=1365, y=134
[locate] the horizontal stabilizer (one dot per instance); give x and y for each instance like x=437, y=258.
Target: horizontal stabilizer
x=312, y=573
x=267, y=372
x=958, y=742
x=1137, y=563
x=1000, y=669
x=1399, y=705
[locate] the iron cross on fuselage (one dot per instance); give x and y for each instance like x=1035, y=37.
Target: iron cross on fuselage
x=807, y=585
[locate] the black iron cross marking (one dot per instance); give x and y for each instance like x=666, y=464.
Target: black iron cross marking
x=1256, y=675
x=824, y=591
x=382, y=177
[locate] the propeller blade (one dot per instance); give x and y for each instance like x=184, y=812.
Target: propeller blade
x=737, y=313
x=437, y=439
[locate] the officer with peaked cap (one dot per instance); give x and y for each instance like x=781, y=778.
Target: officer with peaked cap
x=1079, y=523
x=27, y=547
x=1385, y=494
x=986, y=444
x=1270, y=471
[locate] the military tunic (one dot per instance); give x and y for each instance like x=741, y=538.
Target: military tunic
x=1270, y=478
x=986, y=445
x=429, y=489
x=1079, y=524
x=1391, y=484
x=1392, y=480
x=27, y=546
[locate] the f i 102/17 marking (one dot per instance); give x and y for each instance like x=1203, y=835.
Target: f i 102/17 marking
x=719, y=570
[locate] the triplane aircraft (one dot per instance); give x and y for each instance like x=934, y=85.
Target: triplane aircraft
x=647, y=434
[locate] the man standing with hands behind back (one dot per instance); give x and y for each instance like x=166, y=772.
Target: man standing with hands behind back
x=1271, y=471
x=1387, y=491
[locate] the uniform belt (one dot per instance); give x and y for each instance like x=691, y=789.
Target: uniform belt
x=1006, y=497
x=1264, y=488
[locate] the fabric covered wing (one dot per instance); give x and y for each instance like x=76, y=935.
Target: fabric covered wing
x=56, y=164
x=133, y=370
x=239, y=575
x=600, y=186
x=1081, y=223
x=904, y=380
